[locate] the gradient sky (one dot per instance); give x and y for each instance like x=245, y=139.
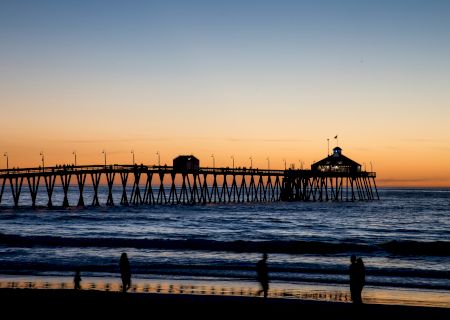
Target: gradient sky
x=245, y=78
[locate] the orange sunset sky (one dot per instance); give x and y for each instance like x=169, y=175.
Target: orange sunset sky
x=265, y=79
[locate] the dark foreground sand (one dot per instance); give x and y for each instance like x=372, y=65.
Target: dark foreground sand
x=24, y=303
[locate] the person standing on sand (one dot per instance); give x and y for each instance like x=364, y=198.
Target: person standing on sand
x=125, y=272
x=361, y=277
x=77, y=280
x=262, y=275
x=353, y=273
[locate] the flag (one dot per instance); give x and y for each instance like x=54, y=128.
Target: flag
x=335, y=137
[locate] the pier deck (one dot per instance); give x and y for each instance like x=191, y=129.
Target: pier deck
x=152, y=185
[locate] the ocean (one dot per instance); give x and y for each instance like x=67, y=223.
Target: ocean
x=403, y=239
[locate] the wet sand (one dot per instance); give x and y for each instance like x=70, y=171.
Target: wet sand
x=90, y=303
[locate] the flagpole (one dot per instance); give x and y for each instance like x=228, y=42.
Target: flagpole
x=328, y=150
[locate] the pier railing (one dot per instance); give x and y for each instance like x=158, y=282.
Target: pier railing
x=152, y=185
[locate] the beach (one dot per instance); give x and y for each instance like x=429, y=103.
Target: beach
x=92, y=303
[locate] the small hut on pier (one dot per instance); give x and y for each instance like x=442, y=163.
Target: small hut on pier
x=336, y=162
x=186, y=163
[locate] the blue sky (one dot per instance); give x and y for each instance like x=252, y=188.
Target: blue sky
x=376, y=72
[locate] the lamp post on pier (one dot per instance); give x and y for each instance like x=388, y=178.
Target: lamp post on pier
x=132, y=152
x=284, y=164
x=104, y=152
x=268, y=163
x=214, y=160
x=159, y=158
x=251, y=162
x=232, y=157
x=75, y=155
x=42, y=159
x=7, y=160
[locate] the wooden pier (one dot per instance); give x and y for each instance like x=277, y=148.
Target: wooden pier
x=161, y=185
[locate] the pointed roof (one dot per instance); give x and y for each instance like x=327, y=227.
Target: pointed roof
x=337, y=159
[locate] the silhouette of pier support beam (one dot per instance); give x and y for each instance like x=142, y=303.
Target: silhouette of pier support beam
x=234, y=189
x=161, y=199
x=81, y=180
x=185, y=195
x=242, y=189
x=225, y=192
x=204, y=190
x=251, y=192
x=16, y=187
x=375, y=186
x=269, y=188
x=124, y=180
x=33, y=184
x=95, y=177
x=136, y=198
x=196, y=195
x=369, y=187
x=214, y=191
x=50, y=187
x=2, y=189
x=65, y=182
x=173, y=197
x=148, y=191
x=339, y=187
x=110, y=181
x=358, y=189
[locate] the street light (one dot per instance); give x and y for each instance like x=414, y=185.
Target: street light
x=104, y=152
x=42, y=158
x=268, y=163
x=214, y=160
x=132, y=151
x=75, y=155
x=232, y=157
x=251, y=162
x=7, y=160
x=159, y=158
x=284, y=164
x=371, y=169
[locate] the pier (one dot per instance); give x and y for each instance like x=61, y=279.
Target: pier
x=162, y=185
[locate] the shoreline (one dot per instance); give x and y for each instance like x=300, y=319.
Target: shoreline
x=234, y=288
x=61, y=303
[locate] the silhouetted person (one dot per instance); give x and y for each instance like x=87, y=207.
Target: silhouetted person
x=125, y=272
x=262, y=275
x=357, y=273
x=77, y=280
x=361, y=277
x=353, y=273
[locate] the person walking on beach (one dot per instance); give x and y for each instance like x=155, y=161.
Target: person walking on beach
x=77, y=280
x=262, y=275
x=125, y=272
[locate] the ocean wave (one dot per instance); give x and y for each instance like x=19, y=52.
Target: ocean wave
x=421, y=248
x=436, y=248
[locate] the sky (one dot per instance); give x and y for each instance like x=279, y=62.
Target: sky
x=267, y=80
